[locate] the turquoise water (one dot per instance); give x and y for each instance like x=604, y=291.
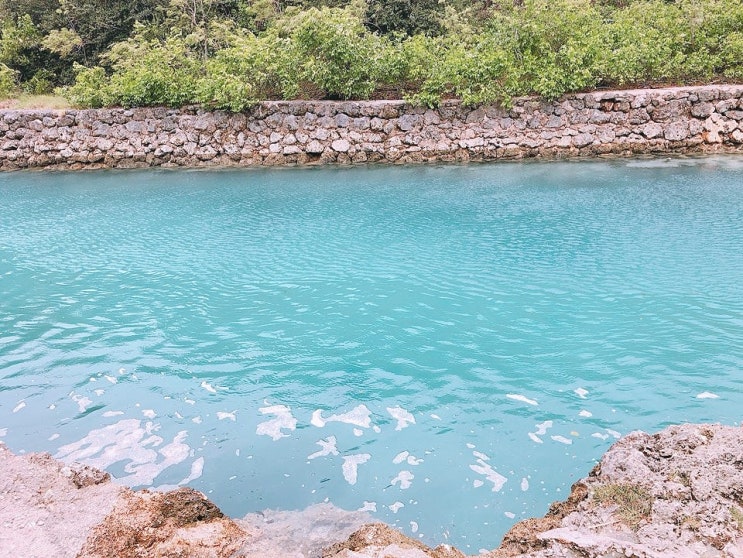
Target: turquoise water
x=452, y=346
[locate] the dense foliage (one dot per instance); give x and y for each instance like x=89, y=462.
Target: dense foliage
x=233, y=53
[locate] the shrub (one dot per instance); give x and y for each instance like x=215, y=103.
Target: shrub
x=91, y=88
x=337, y=53
x=8, y=84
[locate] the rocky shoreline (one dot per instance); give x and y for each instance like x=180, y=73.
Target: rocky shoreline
x=619, y=123
x=677, y=493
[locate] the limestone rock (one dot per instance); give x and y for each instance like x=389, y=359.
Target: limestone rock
x=676, y=131
x=341, y=145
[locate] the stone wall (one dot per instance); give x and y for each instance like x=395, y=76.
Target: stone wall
x=686, y=119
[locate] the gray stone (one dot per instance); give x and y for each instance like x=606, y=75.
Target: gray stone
x=676, y=131
x=314, y=147
x=340, y=145
x=652, y=130
x=361, y=123
x=431, y=117
x=582, y=140
x=291, y=150
x=408, y=121
x=291, y=122
x=702, y=110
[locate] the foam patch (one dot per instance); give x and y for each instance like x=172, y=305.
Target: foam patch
x=283, y=420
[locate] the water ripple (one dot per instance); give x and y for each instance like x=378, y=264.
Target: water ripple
x=158, y=322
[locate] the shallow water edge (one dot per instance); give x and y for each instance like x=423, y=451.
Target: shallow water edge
x=699, y=119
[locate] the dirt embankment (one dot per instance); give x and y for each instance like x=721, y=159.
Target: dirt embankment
x=678, y=493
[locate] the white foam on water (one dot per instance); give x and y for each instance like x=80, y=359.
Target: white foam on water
x=471, y=446
x=412, y=460
x=562, y=440
x=436, y=417
x=403, y=417
x=535, y=438
x=509, y=515
x=190, y=401
x=4, y=432
x=413, y=526
x=196, y=420
x=20, y=406
x=404, y=478
x=396, y=506
x=524, y=484
x=82, y=402
x=585, y=414
x=580, y=392
x=707, y=395
x=351, y=464
x=542, y=427
x=197, y=469
x=368, y=507
x=613, y=433
x=477, y=483
x=327, y=447
x=490, y=474
x=283, y=421
x=358, y=432
x=376, y=429
x=109, y=414
x=655, y=164
x=129, y=441
x=223, y=415
x=50, y=438
x=99, y=392
x=358, y=416
x=480, y=455
x=208, y=387
x=149, y=413
x=317, y=419
x=522, y=398
x=400, y=457
x=599, y=435
x=111, y=379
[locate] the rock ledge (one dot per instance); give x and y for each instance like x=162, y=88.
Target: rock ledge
x=677, y=493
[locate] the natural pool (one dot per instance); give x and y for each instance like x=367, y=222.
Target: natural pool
x=448, y=346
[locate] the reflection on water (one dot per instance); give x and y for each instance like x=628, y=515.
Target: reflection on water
x=447, y=348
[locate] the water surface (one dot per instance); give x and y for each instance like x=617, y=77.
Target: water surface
x=448, y=346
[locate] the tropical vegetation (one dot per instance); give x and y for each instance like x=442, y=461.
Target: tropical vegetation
x=233, y=53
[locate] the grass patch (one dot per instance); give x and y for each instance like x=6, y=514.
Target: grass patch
x=737, y=515
x=634, y=503
x=25, y=101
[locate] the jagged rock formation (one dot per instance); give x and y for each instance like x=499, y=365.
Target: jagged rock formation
x=674, y=494
x=677, y=493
